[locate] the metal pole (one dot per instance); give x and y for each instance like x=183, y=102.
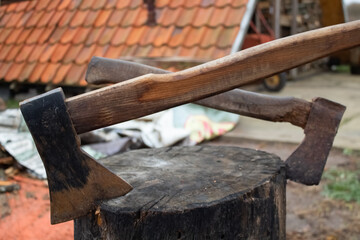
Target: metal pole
x=277, y=9
x=294, y=11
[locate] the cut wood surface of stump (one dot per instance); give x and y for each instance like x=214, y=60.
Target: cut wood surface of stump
x=202, y=192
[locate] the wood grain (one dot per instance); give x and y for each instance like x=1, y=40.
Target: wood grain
x=261, y=106
x=202, y=192
x=152, y=93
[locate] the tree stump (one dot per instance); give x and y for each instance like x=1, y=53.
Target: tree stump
x=202, y=192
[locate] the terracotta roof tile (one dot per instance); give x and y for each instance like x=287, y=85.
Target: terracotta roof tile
x=66, y=18
x=169, y=16
x=142, y=51
x=75, y=73
x=211, y=36
x=4, y=67
x=234, y=17
x=4, y=51
x=81, y=35
x=61, y=73
x=63, y=4
x=4, y=34
x=24, y=53
x=24, y=19
x=99, y=4
x=141, y=18
x=161, y=3
x=187, y=52
x=163, y=36
x=36, y=73
x=15, y=17
x=24, y=35
x=157, y=52
x=85, y=5
x=207, y=3
x=221, y=15
x=56, y=35
x=31, y=6
x=91, y=17
x=85, y=54
x=100, y=51
x=135, y=36
x=46, y=54
x=226, y=38
x=114, y=51
x=94, y=35
x=68, y=35
x=14, y=71
x=175, y=3
x=116, y=17
x=35, y=35
x=194, y=37
x=13, y=36
x=106, y=35
x=35, y=55
x=13, y=52
x=110, y=4
x=26, y=71
x=129, y=51
x=4, y=19
x=52, y=41
x=72, y=53
x=49, y=72
x=203, y=16
x=59, y=52
x=120, y=36
x=43, y=4
x=79, y=18
x=45, y=18
x=129, y=18
x=102, y=18
x=11, y=8
x=74, y=4
x=53, y=5
x=192, y=3
x=33, y=20
x=123, y=4
x=179, y=36
x=45, y=35
x=186, y=17
x=56, y=18
x=136, y=3
x=150, y=33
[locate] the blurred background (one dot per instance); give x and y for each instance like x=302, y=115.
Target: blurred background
x=47, y=44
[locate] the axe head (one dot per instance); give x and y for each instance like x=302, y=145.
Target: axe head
x=76, y=181
x=306, y=164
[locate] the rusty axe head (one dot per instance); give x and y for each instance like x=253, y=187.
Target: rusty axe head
x=306, y=164
x=76, y=181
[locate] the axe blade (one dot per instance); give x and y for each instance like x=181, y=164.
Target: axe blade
x=306, y=164
x=76, y=181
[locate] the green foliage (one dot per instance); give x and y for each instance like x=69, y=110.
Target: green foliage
x=12, y=103
x=342, y=184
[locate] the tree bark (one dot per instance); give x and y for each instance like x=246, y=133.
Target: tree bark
x=202, y=192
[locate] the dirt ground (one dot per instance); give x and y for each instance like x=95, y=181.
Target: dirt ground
x=310, y=214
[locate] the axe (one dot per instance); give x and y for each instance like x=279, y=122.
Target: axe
x=77, y=182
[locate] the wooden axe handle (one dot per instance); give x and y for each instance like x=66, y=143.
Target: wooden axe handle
x=261, y=106
x=152, y=93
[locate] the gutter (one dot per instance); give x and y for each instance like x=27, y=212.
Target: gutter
x=244, y=26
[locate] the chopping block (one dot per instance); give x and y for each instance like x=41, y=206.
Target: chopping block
x=201, y=192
